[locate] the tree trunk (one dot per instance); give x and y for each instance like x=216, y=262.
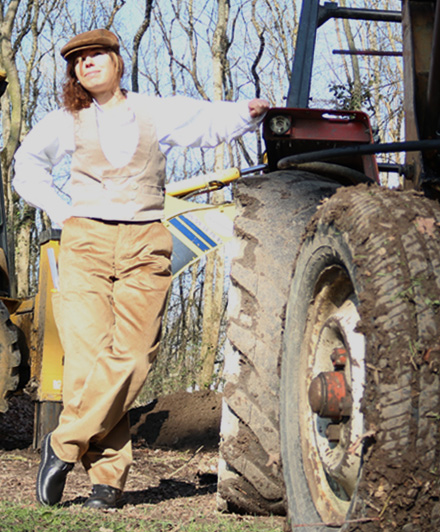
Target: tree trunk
x=212, y=313
x=23, y=255
x=356, y=94
x=215, y=264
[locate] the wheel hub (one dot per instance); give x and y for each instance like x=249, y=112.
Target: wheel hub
x=329, y=396
x=333, y=389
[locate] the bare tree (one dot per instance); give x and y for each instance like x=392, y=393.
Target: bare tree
x=12, y=113
x=215, y=264
x=136, y=45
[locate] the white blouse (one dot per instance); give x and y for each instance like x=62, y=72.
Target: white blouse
x=179, y=121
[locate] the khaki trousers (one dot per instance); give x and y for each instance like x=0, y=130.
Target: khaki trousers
x=114, y=279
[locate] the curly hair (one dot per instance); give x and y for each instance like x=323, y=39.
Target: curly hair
x=75, y=97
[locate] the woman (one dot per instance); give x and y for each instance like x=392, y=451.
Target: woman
x=114, y=262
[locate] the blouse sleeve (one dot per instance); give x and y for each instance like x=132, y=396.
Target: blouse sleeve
x=186, y=122
x=43, y=148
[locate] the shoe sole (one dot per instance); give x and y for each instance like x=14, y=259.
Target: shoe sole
x=102, y=505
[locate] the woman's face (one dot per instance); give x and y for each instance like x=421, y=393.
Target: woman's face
x=96, y=71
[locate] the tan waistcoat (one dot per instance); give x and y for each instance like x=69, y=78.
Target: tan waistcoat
x=134, y=192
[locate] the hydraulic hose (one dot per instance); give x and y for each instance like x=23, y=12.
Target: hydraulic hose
x=359, y=149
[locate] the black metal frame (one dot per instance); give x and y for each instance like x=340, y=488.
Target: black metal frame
x=313, y=15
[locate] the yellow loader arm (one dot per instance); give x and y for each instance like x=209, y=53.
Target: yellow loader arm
x=199, y=229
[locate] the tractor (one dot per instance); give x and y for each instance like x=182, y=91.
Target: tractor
x=332, y=396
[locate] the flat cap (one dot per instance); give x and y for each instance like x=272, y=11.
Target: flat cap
x=91, y=39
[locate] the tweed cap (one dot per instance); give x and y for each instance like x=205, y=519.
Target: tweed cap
x=91, y=39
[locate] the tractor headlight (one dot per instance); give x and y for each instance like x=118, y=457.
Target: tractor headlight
x=280, y=124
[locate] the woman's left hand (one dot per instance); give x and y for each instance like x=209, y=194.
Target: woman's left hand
x=258, y=107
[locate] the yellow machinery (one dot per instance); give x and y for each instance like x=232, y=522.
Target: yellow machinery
x=42, y=349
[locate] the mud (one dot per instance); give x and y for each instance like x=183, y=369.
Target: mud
x=185, y=421
x=399, y=487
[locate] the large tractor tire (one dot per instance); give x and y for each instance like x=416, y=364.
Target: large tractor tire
x=360, y=386
x=272, y=213
x=9, y=357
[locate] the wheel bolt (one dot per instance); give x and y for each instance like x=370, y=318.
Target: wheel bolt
x=339, y=357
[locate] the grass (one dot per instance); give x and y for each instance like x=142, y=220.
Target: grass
x=29, y=518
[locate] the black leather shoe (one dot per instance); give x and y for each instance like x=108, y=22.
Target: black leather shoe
x=104, y=496
x=52, y=475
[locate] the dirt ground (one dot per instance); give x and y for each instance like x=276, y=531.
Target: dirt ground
x=174, y=476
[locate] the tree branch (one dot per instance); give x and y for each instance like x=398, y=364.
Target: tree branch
x=137, y=42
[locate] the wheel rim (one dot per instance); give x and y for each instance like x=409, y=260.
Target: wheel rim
x=331, y=459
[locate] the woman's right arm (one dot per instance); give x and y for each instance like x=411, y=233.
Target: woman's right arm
x=44, y=147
